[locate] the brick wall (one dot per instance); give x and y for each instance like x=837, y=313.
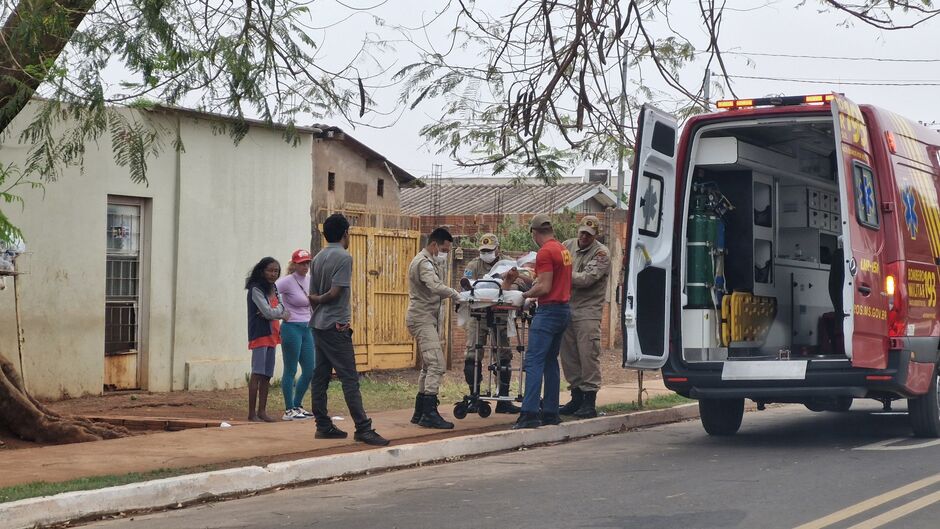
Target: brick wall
x=465, y=225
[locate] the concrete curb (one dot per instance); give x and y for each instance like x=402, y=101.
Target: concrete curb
x=170, y=492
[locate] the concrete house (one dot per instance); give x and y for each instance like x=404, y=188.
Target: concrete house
x=141, y=286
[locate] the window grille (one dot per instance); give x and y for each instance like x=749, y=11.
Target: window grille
x=122, y=279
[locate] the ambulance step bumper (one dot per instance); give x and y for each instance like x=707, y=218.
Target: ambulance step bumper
x=778, y=394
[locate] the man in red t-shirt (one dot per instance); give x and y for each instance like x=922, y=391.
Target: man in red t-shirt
x=552, y=288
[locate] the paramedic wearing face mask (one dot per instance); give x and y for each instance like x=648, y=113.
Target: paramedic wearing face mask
x=476, y=333
x=426, y=292
x=581, y=345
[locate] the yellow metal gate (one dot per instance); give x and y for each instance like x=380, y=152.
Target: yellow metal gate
x=380, y=296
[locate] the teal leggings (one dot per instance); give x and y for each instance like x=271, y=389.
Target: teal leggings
x=297, y=347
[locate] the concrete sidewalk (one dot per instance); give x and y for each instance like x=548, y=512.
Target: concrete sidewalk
x=244, y=444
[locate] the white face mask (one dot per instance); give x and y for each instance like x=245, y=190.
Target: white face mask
x=488, y=257
x=441, y=257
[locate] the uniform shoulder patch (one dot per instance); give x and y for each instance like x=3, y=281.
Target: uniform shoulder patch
x=468, y=273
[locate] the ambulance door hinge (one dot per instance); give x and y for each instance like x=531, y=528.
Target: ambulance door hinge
x=887, y=207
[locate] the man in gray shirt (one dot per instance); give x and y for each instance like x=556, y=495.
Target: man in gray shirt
x=330, y=278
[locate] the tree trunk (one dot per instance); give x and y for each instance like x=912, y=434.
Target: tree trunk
x=30, y=420
x=33, y=35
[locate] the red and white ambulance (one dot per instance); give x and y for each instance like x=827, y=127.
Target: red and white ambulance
x=786, y=250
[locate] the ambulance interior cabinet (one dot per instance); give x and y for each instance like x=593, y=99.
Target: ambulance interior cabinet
x=749, y=230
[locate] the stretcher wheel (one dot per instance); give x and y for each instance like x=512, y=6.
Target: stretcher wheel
x=485, y=409
x=460, y=410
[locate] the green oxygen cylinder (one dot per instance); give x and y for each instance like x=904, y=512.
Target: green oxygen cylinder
x=701, y=240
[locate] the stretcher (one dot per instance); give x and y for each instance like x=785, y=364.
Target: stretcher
x=494, y=309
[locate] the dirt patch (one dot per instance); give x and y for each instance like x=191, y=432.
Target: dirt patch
x=229, y=405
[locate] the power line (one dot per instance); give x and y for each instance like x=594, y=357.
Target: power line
x=855, y=82
x=829, y=57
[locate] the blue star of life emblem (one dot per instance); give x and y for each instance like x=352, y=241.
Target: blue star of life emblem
x=910, y=213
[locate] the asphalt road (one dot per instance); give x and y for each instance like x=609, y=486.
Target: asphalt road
x=786, y=468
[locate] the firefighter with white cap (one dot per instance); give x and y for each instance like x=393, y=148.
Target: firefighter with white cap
x=480, y=334
x=581, y=344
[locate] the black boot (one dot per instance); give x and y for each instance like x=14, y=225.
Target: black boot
x=527, y=420
x=573, y=405
x=505, y=377
x=550, y=419
x=587, y=409
x=418, y=408
x=430, y=417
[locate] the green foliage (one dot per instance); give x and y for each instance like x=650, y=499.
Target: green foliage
x=239, y=59
x=42, y=488
x=10, y=179
x=652, y=403
x=515, y=237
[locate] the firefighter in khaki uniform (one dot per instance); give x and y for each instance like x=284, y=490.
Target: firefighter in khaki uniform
x=480, y=334
x=581, y=344
x=426, y=291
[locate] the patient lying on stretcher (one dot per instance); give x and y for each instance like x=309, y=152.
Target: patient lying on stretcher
x=511, y=276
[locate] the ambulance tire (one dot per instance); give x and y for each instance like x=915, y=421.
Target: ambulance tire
x=843, y=404
x=721, y=416
x=924, y=411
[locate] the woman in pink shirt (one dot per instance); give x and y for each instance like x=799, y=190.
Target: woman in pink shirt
x=296, y=337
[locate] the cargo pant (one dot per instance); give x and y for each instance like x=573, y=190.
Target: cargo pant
x=428, y=341
x=479, y=333
x=581, y=355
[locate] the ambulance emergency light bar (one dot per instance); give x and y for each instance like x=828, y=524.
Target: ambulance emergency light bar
x=729, y=104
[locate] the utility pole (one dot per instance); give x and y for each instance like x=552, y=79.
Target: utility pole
x=623, y=129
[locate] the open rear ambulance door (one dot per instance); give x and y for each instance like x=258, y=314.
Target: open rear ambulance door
x=647, y=282
x=864, y=301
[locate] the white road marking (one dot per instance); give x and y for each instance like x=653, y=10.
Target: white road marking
x=888, y=444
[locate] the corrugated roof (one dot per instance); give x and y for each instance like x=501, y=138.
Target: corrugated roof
x=467, y=199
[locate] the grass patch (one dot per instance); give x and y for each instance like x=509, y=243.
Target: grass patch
x=655, y=403
x=377, y=395
x=42, y=488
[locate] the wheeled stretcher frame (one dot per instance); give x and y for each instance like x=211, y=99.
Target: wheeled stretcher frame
x=495, y=317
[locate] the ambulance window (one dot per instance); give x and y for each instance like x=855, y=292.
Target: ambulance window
x=866, y=201
x=650, y=205
x=664, y=139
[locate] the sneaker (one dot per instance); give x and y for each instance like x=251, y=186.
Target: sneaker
x=371, y=437
x=289, y=415
x=330, y=433
x=302, y=413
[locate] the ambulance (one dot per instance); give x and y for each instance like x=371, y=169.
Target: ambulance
x=786, y=250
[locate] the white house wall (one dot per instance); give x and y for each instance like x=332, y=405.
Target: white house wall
x=237, y=204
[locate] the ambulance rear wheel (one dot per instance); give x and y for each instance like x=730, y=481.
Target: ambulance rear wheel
x=460, y=410
x=721, y=416
x=924, y=411
x=843, y=404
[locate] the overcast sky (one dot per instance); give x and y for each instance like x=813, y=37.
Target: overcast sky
x=749, y=31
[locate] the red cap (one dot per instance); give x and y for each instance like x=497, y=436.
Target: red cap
x=300, y=256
